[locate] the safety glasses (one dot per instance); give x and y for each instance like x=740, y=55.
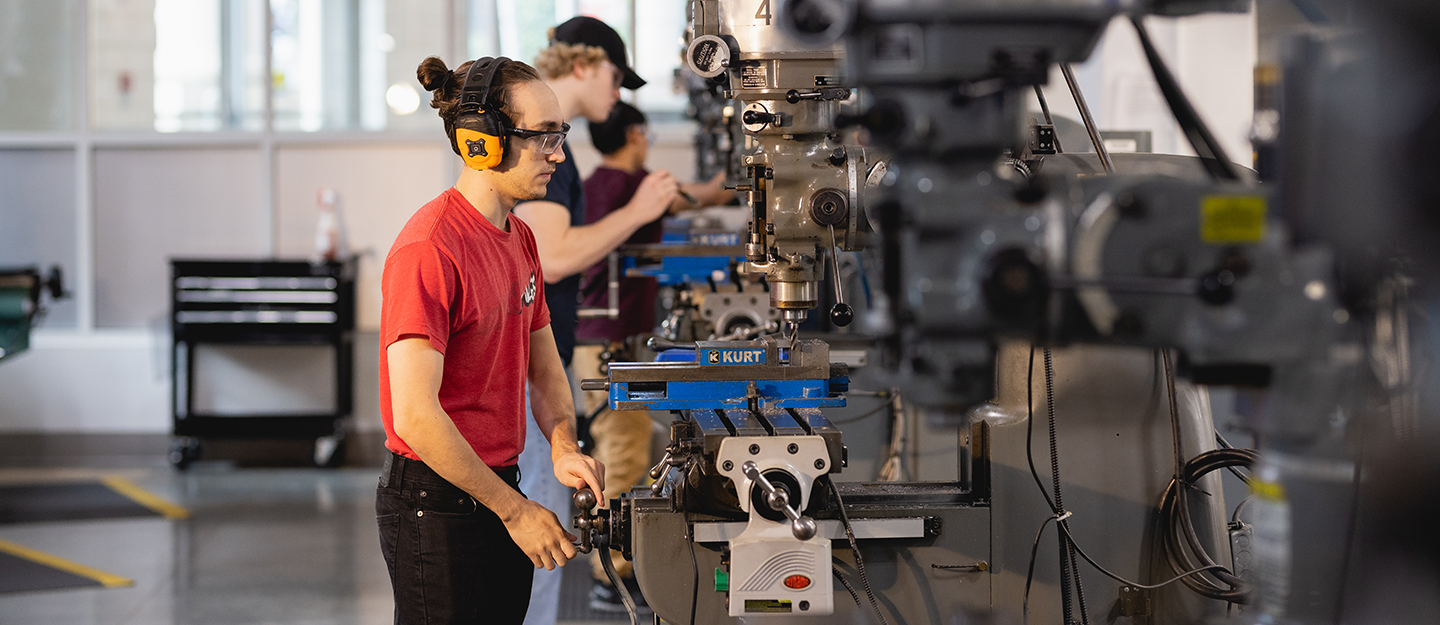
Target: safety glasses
x=548, y=140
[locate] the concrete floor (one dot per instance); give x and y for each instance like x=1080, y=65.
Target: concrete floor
x=262, y=545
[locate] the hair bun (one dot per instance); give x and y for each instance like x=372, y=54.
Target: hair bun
x=432, y=73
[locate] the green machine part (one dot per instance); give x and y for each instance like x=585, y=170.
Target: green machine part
x=16, y=312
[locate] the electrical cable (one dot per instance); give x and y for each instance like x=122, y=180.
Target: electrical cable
x=695, y=566
x=846, y=583
x=1174, y=410
x=1179, y=532
x=1065, y=605
x=694, y=563
x=1127, y=582
x=1068, y=569
x=1030, y=570
x=855, y=549
x=1079, y=584
x=1235, y=516
x=1244, y=477
x=1034, y=474
x=1209, y=150
x=1063, y=527
x=603, y=544
x=1030, y=430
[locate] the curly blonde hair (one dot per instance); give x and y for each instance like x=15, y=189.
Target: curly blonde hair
x=560, y=58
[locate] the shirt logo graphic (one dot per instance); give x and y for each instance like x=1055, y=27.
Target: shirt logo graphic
x=477, y=148
x=529, y=296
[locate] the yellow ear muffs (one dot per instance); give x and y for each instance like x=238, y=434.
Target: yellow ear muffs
x=479, y=150
x=479, y=129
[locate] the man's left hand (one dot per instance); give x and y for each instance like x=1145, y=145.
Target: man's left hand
x=578, y=470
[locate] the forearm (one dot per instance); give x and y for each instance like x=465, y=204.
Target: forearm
x=553, y=406
x=432, y=435
x=704, y=193
x=579, y=247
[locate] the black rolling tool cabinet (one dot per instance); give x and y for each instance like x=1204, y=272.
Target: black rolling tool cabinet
x=260, y=302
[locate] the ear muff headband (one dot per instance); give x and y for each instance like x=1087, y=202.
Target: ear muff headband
x=480, y=130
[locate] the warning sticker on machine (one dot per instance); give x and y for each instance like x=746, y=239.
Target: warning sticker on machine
x=766, y=605
x=827, y=81
x=1232, y=218
x=753, y=76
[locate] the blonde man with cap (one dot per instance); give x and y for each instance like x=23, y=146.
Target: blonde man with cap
x=585, y=66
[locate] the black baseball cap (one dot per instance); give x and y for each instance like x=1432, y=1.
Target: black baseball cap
x=593, y=32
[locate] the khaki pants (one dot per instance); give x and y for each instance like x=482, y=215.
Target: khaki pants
x=622, y=444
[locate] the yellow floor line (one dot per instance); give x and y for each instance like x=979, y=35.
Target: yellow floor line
x=109, y=580
x=145, y=498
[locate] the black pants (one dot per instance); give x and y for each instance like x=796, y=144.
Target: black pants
x=451, y=560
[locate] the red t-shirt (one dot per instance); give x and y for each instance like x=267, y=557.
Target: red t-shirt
x=475, y=292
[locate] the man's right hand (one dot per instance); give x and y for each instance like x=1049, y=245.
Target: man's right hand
x=538, y=533
x=654, y=196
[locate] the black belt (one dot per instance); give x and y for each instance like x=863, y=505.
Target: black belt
x=398, y=468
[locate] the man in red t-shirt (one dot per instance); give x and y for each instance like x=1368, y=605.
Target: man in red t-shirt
x=463, y=326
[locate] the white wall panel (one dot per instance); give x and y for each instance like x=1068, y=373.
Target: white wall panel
x=110, y=382
x=37, y=219
x=378, y=189
x=1212, y=56
x=152, y=205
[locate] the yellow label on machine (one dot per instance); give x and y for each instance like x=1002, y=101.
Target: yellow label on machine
x=1269, y=491
x=1232, y=218
x=767, y=606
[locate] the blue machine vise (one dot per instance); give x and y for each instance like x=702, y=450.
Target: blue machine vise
x=727, y=375
x=691, y=258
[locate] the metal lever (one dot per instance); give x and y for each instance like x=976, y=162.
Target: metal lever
x=585, y=501
x=841, y=314
x=658, y=344
x=612, y=292
x=659, y=470
x=802, y=527
x=756, y=118
x=794, y=96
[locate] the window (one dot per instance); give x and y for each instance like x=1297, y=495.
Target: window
x=36, y=43
x=348, y=64
x=334, y=65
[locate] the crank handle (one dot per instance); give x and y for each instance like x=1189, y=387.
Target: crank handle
x=802, y=527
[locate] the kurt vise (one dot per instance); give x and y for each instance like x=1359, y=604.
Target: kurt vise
x=759, y=376
x=750, y=411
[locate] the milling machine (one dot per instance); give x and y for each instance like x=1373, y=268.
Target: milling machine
x=802, y=181
x=1137, y=280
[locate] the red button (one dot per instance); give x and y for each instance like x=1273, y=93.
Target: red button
x=797, y=582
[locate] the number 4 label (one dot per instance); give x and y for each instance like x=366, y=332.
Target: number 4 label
x=763, y=13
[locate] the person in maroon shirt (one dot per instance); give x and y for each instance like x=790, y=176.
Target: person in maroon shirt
x=463, y=327
x=622, y=438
